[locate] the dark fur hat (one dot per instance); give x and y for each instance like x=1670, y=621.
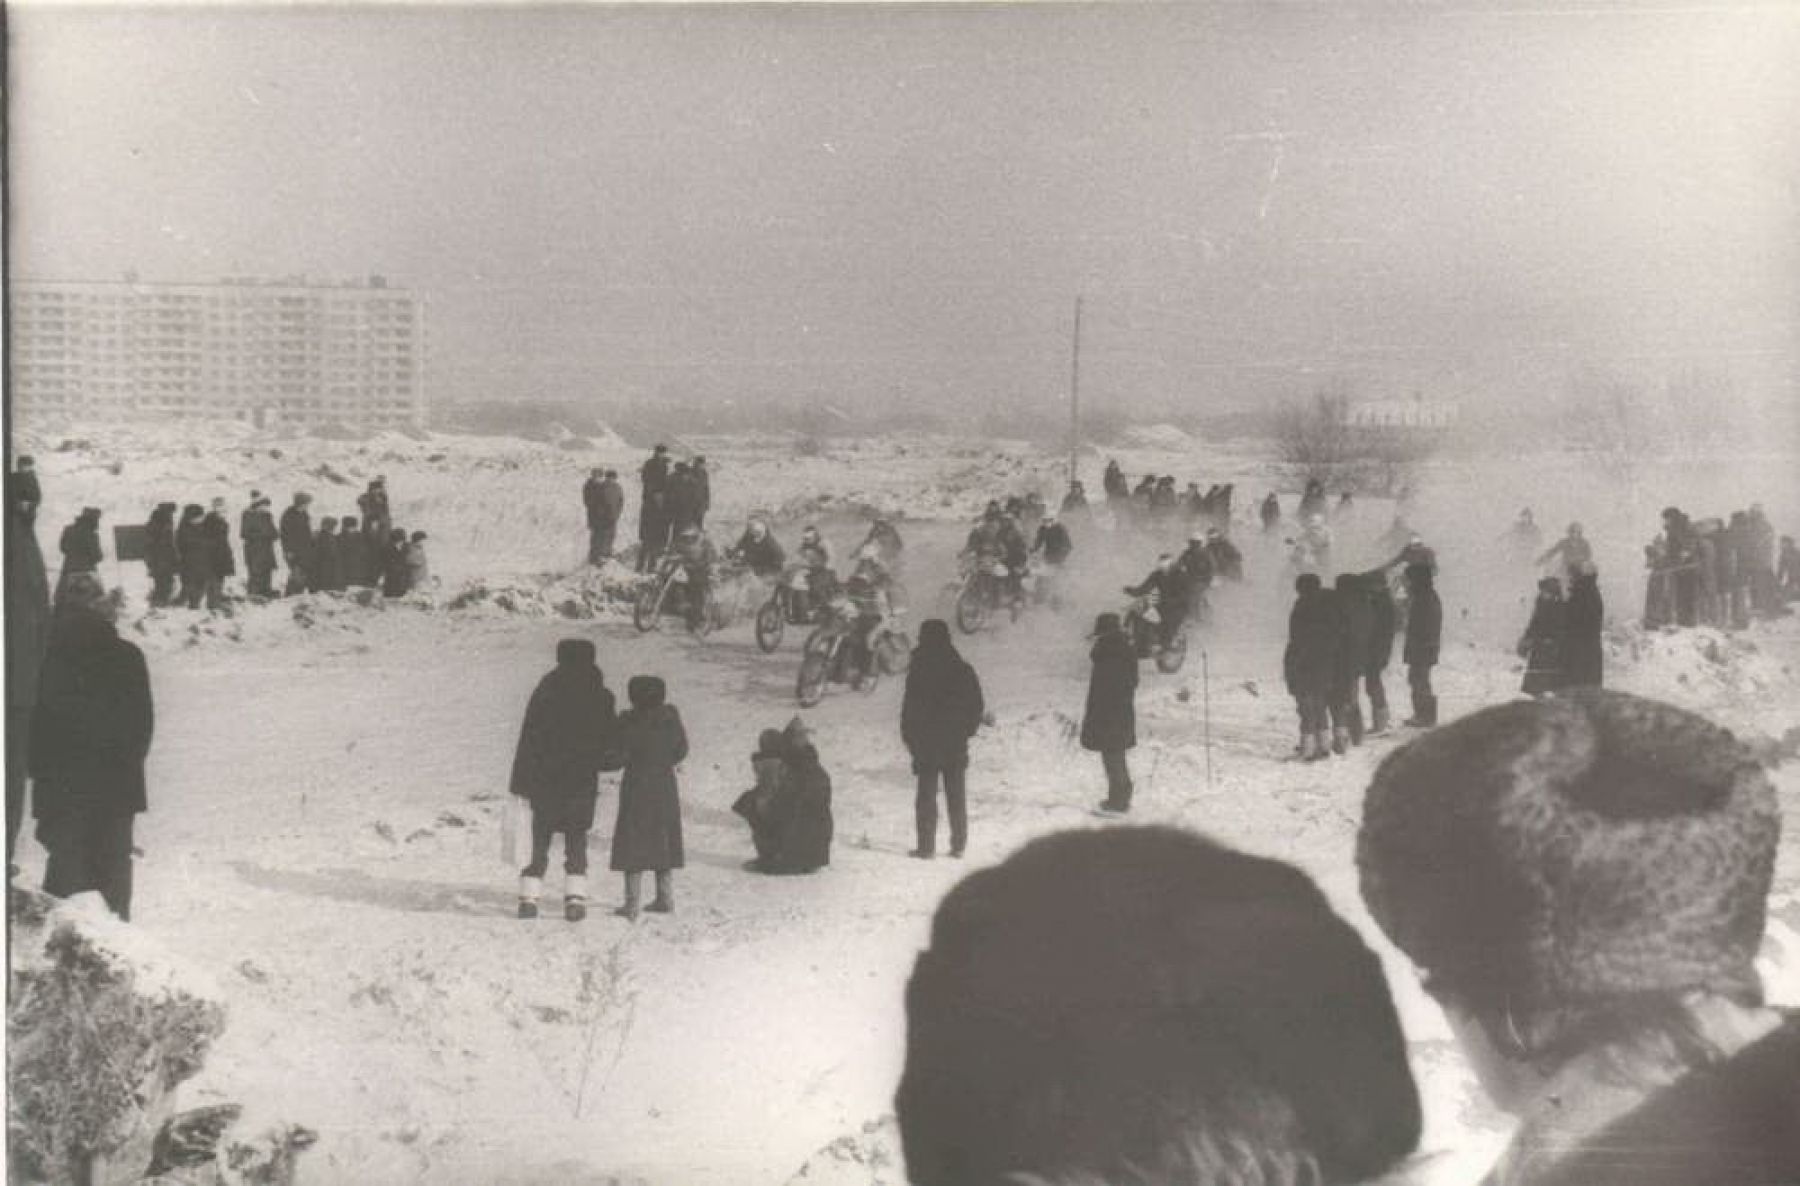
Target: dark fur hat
x=646, y=691
x=1558, y=853
x=1105, y=996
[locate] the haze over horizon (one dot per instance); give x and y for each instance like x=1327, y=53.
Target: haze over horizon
x=863, y=205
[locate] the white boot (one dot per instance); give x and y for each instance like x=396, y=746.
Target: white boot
x=529, y=890
x=575, y=898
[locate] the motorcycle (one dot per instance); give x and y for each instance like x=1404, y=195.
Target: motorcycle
x=826, y=655
x=790, y=603
x=982, y=591
x=1143, y=626
x=668, y=593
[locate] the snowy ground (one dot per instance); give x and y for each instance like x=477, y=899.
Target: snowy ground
x=326, y=788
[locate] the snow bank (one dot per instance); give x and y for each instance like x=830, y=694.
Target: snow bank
x=1157, y=436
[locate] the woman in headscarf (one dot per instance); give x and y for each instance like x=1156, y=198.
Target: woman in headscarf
x=647, y=836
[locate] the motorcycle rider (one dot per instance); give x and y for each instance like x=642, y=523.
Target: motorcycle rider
x=1169, y=587
x=886, y=541
x=1195, y=563
x=759, y=550
x=694, y=552
x=867, y=591
x=815, y=556
x=1052, y=541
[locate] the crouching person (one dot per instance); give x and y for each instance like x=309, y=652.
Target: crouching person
x=1583, y=882
x=789, y=808
x=1143, y=1007
x=567, y=739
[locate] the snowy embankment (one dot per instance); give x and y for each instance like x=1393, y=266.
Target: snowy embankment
x=327, y=781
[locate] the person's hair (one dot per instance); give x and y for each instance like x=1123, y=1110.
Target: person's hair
x=1144, y=1005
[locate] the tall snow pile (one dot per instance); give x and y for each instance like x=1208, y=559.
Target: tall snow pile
x=101, y=1027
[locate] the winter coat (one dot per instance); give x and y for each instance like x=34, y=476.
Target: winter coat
x=565, y=742
x=1227, y=561
x=373, y=506
x=1582, y=655
x=1053, y=540
x=218, y=543
x=27, y=610
x=647, y=834
x=767, y=805
x=1171, y=586
x=160, y=553
x=1197, y=566
x=325, y=573
x=418, y=568
x=1109, y=725
x=1541, y=647
x=1312, y=647
x=802, y=835
x=1383, y=619
x=1731, y=1124
x=590, y=498
x=80, y=545
x=355, y=563
x=91, y=729
x=259, y=535
x=612, y=502
x=24, y=494
x=941, y=709
x=196, y=552
x=1356, y=627
x=764, y=556
x=702, y=481
x=296, y=532
x=1424, y=626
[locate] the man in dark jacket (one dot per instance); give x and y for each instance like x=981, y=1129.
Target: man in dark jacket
x=1109, y=724
x=653, y=513
x=80, y=546
x=1172, y=594
x=760, y=550
x=1053, y=542
x=23, y=493
x=1196, y=565
x=1424, y=631
x=161, y=557
x=1271, y=514
x=1382, y=623
x=605, y=501
x=257, y=528
x=941, y=710
x=217, y=532
x=1310, y=662
x=354, y=562
x=324, y=569
x=297, y=542
x=566, y=740
x=90, y=733
x=1356, y=625
x=27, y=625
x=196, y=555
x=373, y=503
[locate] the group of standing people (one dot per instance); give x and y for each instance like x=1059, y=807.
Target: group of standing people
x=1561, y=645
x=675, y=497
x=1718, y=572
x=1154, y=499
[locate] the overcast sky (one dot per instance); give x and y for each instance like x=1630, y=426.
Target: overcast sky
x=868, y=204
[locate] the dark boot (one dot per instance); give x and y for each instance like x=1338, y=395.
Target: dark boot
x=1340, y=740
x=1356, y=724
x=529, y=889
x=633, y=891
x=664, y=902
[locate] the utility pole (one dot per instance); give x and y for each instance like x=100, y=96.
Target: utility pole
x=1075, y=394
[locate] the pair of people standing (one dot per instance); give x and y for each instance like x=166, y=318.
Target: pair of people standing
x=570, y=735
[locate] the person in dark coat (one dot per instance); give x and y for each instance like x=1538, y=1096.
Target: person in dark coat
x=789, y=808
x=568, y=737
x=1310, y=662
x=1109, y=723
x=27, y=629
x=1271, y=514
x=1075, y=502
x=1227, y=561
x=1583, y=883
x=653, y=512
x=80, y=546
x=648, y=832
x=373, y=503
x=759, y=550
x=196, y=555
x=23, y=492
x=90, y=734
x=1583, y=657
x=324, y=572
x=297, y=543
x=396, y=576
x=355, y=564
x=1173, y=591
x=161, y=557
x=1541, y=644
x=1424, y=636
x=605, y=502
x=1145, y=1007
x=1760, y=561
x=701, y=478
x=1052, y=542
x=217, y=530
x=940, y=711
x=1356, y=625
x=768, y=803
x=1383, y=620
x=259, y=535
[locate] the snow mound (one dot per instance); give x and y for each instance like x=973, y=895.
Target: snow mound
x=1157, y=436
x=1675, y=665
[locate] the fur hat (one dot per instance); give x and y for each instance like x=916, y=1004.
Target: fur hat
x=575, y=652
x=646, y=691
x=1105, y=624
x=1104, y=993
x=1555, y=853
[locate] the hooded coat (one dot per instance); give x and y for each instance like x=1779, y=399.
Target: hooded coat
x=566, y=740
x=803, y=834
x=647, y=834
x=91, y=729
x=1583, y=658
x=1313, y=643
x=942, y=706
x=1109, y=725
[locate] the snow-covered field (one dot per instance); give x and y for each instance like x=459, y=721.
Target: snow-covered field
x=327, y=780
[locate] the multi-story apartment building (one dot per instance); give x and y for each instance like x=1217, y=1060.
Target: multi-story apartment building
x=270, y=352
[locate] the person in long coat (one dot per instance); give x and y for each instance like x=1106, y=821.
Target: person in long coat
x=259, y=533
x=324, y=572
x=566, y=740
x=1109, y=723
x=1383, y=621
x=1582, y=655
x=354, y=562
x=297, y=543
x=1541, y=644
x=161, y=557
x=396, y=578
x=940, y=711
x=1424, y=640
x=196, y=555
x=1310, y=661
x=80, y=546
x=90, y=734
x=27, y=629
x=1355, y=625
x=803, y=839
x=647, y=835
x=766, y=804
x=653, y=512
x=217, y=530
